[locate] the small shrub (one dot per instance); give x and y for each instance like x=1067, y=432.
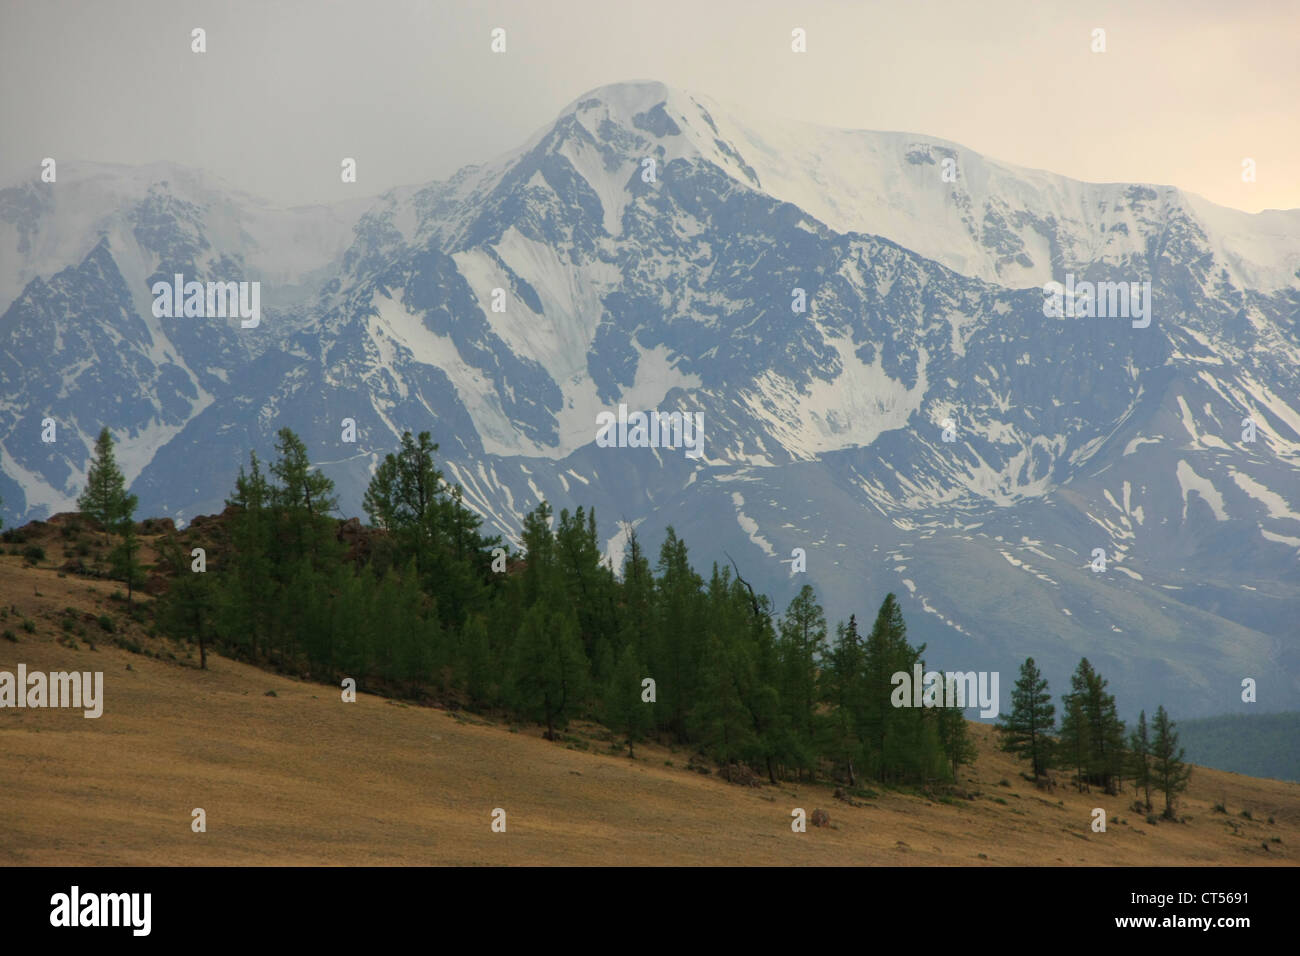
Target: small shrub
x=10, y=636
x=1219, y=808
x=34, y=553
x=29, y=625
x=1004, y=782
x=1246, y=815
x=106, y=623
x=1153, y=819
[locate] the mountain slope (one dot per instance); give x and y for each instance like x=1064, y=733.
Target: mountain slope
x=504, y=309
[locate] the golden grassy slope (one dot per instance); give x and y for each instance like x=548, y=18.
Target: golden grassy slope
x=303, y=778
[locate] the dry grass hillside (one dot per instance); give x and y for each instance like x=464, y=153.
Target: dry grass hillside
x=290, y=774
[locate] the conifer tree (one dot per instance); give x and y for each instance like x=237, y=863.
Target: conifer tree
x=1026, y=731
x=625, y=711
x=1100, y=739
x=125, y=557
x=105, y=498
x=1140, y=757
x=1075, y=740
x=720, y=720
x=549, y=672
x=187, y=608
x=803, y=642
x=843, y=690
x=1168, y=771
x=245, y=606
x=677, y=649
x=304, y=497
x=955, y=738
x=893, y=735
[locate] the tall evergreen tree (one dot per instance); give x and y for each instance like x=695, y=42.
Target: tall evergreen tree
x=246, y=603
x=677, y=650
x=625, y=711
x=843, y=690
x=1168, y=771
x=549, y=671
x=803, y=642
x=303, y=498
x=1075, y=741
x=893, y=735
x=105, y=497
x=125, y=557
x=187, y=608
x=1026, y=731
x=1101, y=738
x=1140, y=757
x=954, y=736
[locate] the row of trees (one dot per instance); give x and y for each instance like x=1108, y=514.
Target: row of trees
x=1091, y=740
x=660, y=651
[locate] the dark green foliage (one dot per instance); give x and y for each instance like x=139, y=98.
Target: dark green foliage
x=1169, y=774
x=625, y=711
x=1027, y=730
x=1091, y=732
x=105, y=497
x=34, y=553
x=1140, y=759
x=421, y=612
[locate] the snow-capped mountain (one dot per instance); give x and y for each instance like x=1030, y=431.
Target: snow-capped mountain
x=645, y=249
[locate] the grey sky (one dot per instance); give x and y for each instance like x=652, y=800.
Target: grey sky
x=409, y=88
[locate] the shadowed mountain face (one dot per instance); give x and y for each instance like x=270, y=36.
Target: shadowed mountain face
x=918, y=426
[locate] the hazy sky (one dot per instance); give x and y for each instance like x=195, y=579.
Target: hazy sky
x=1185, y=90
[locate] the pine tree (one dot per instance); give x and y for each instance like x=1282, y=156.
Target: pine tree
x=304, y=498
x=248, y=597
x=1168, y=771
x=677, y=650
x=1140, y=757
x=404, y=494
x=186, y=609
x=549, y=672
x=803, y=642
x=625, y=711
x=720, y=721
x=105, y=498
x=1106, y=731
x=125, y=557
x=955, y=738
x=1027, y=730
x=1075, y=741
x=1099, y=741
x=842, y=688
x=893, y=735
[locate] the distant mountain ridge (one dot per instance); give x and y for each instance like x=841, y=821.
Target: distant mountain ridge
x=823, y=430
